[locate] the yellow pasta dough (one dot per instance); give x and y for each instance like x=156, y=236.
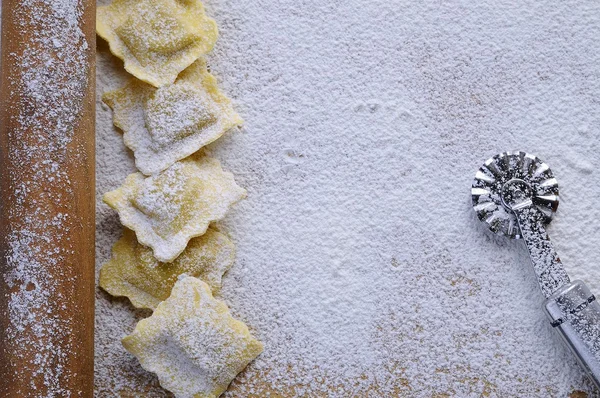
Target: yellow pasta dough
x=168, y=209
x=135, y=273
x=192, y=343
x=156, y=39
x=164, y=125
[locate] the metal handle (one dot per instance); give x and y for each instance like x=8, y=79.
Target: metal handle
x=573, y=310
x=546, y=264
x=575, y=313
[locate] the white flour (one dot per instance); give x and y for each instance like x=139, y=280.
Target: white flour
x=360, y=261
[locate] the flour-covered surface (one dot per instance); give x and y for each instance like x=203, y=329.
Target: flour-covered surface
x=360, y=263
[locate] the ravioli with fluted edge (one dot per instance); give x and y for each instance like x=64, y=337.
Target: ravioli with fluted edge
x=168, y=209
x=156, y=39
x=192, y=343
x=164, y=125
x=133, y=271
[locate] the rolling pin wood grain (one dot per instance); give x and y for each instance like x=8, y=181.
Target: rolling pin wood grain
x=47, y=198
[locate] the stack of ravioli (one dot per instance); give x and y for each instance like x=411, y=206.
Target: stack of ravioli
x=169, y=258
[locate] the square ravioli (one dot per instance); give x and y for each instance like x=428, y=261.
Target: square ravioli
x=168, y=209
x=164, y=125
x=156, y=39
x=133, y=271
x=192, y=343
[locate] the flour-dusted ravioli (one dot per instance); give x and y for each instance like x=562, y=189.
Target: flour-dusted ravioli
x=164, y=125
x=135, y=273
x=156, y=39
x=168, y=209
x=192, y=343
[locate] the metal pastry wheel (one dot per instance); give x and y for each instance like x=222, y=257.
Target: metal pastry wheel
x=516, y=194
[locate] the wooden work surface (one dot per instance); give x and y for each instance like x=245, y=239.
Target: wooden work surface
x=47, y=174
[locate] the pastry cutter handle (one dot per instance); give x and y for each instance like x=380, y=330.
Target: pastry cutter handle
x=573, y=310
x=575, y=313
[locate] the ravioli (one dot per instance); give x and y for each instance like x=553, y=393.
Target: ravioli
x=164, y=125
x=192, y=343
x=168, y=209
x=156, y=39
x=135, y=273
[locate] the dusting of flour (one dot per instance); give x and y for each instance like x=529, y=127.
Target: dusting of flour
x=360, y=264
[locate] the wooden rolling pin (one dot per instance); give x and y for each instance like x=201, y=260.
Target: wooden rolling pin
x=47, y=198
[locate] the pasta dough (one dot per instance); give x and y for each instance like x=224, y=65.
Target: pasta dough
x=164, y=125
x=168, y=258
x=156, y=39
x=135, y=273
x=192, y=343
x=170, y=208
